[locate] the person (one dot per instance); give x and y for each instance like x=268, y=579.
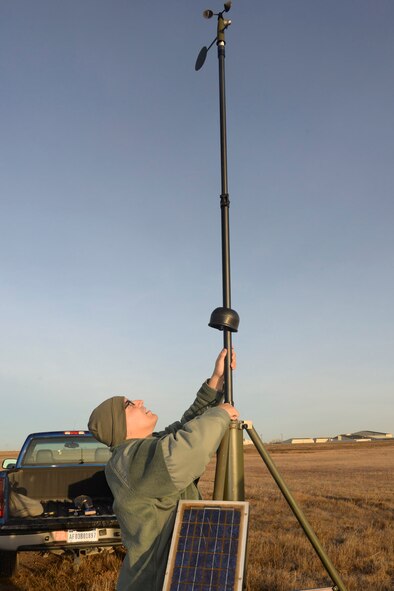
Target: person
x=149, y=472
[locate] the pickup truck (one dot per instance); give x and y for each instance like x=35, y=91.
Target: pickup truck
x=55, y=497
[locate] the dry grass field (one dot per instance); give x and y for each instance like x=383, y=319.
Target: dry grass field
x=346, y=492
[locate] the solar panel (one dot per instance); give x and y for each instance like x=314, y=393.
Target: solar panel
x=208, y=546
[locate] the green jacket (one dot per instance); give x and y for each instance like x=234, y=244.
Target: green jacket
x=149, y=476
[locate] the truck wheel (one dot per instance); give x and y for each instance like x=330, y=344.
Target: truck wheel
x=8, y=563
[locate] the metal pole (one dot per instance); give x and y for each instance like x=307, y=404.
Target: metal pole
x=224, y=206
x=233, y=466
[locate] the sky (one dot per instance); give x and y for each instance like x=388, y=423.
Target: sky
x=110, y=250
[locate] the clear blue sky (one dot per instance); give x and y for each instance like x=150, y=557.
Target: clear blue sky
x=110, y=217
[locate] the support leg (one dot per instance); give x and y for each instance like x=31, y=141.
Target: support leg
x=221, y=468
x=332, y=572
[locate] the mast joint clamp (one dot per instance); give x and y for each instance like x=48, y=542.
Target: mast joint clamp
x=224, y=200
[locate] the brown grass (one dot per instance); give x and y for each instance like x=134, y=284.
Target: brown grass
x=346, y=493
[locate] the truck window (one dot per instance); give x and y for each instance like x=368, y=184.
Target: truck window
x=50, y=451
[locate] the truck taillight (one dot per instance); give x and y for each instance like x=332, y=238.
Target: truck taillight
x=74, y=432
x=1, y=497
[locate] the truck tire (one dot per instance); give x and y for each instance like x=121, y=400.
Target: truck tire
x=8, y=563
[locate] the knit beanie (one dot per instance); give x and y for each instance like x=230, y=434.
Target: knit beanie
x=108, y=421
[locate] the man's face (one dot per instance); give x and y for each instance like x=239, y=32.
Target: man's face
x=138, y=418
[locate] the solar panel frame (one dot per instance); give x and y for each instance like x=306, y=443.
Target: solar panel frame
x=209, y=544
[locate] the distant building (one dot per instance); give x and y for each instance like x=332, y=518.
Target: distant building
x=349, y=437
x=363, y=436
x=295, y=440
x=358, y=436
x=373, y=435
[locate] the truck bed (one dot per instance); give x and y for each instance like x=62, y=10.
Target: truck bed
x=56, y=489
x=62, y=483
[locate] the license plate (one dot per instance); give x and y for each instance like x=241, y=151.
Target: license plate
x=74, y=536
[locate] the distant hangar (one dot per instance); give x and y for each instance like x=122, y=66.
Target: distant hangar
x=357, y=436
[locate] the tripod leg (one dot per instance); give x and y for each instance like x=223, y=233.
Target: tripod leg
x=330, y=569
x=221, y=468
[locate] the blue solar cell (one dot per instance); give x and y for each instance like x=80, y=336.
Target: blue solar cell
x=217, y=559
x=184, y=529
x=184, y=575
x=227, y=545
x=195, y=544
x=176, y=574
x=214, y=515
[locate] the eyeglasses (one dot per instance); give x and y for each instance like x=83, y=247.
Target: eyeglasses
x=128, y=403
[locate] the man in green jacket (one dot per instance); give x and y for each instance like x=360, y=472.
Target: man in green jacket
x=149, y=472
